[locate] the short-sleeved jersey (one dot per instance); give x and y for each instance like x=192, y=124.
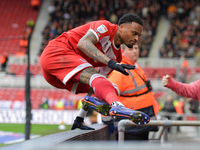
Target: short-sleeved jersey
x=104, y=32
x=61, y=59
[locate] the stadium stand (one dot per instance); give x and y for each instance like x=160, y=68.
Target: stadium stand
x=19, y=69
x=65, y=15
x=14, y=17
x=184, y=32
x=15, y=98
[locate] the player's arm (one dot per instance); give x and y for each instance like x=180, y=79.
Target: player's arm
x=86, y=44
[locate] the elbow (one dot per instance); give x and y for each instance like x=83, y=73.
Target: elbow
x=80, y=43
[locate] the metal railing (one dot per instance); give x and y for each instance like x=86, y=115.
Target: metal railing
x=165, y=123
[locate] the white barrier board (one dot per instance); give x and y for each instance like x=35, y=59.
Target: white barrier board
x=38, y=116
x=42, y=116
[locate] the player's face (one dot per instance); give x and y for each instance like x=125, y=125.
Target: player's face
x=132, y=53
x=130, y=33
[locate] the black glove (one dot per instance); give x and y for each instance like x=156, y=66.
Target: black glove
x=78, y=123
x=120, y=67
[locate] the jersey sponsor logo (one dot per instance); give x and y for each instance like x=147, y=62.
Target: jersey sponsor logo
x=102, y=29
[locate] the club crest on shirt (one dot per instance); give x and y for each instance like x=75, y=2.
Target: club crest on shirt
x=102, y=29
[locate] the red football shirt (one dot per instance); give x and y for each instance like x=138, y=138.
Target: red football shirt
x=104, y=32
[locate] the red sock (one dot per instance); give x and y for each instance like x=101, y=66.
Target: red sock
x=94, y=95
x=104, y=89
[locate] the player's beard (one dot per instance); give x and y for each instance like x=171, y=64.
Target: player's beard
x=122, y=41
x=129, y=46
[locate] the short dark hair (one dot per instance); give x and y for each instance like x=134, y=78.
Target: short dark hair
x=128, y=18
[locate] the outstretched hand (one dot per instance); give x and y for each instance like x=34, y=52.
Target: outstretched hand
x=120, y=67
x=165, y=80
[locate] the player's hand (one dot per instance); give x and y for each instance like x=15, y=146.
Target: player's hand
x=120, y=67
x=165, y=80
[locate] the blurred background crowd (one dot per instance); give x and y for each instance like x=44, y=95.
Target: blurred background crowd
x=184, y=33
x=68, y=14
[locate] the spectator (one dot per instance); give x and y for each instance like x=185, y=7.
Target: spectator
x=172, y=10
x=183, y=89
x=135, y=93
x=45, y=103
x=4, y=61
x=179, y=106
x=194, y=105
x=113, y=18
x=169, y=106
x=60, y=105
x=23, y=42
x=183, y=69
x=35, y=4
x=30, y=23
x=184, y=62
x=51, y=8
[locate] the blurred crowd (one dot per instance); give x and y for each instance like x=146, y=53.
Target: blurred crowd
x=184, y=33
x=67, y=14
x=179, y=105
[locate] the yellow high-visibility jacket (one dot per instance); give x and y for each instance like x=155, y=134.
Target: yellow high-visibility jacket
x=134, y=93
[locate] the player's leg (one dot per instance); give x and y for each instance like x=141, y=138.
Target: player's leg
x=59, y=66
x=89, y=101
x=104, y=89
x=79, y=120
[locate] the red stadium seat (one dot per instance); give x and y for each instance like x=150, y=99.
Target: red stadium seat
x=37, y=95
x=14, y=17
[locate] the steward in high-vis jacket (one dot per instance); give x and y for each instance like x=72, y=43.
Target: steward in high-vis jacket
x=135, y=93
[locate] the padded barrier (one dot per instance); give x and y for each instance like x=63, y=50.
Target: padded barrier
x=101, y=133
x=94, y=140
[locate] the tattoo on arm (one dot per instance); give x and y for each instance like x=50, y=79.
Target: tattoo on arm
x=86, y=44
x=86, y=75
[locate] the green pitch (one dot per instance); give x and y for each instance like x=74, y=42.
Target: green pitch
x=37, y=129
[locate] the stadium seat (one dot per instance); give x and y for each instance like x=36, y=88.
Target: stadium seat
x=15, y=96
x=14, y=17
